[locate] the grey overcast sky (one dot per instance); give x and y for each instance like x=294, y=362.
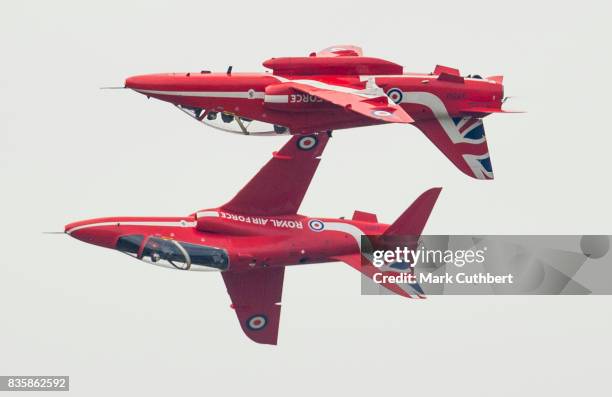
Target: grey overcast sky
x=70, y=151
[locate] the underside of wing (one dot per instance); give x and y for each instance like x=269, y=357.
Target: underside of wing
x=279, y=187
x=256, y=295
x=370, y=102
x=339, y=59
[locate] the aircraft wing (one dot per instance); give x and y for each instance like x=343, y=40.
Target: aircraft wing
x=370, y=102
x=279, y=187
x=256, y=296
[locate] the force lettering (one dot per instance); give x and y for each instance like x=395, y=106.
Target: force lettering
x=303, y=98
x=257, y=220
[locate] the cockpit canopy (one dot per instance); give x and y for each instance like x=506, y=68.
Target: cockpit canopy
x=173, y=254
x=230, y=122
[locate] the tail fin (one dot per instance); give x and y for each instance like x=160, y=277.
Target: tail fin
x=463, y=141
x=413, y=220
x=410, y=224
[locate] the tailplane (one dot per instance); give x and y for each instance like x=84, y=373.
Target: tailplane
x=405, y=231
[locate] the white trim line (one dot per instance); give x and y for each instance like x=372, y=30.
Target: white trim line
x=439, y=110
x=208, y=94
x=207, y=214
x=365, y=93
x=276, y=98
x=347, y=228
x=364, y=77
x=182, y=223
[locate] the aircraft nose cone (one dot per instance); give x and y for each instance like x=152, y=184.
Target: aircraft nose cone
x=138, y=82
x=95, y=231
x=162, y=81
x=78, y=231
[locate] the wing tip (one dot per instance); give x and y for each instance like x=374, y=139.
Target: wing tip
x=263, y=341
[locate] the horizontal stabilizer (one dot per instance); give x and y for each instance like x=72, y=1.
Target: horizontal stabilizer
x=367, y=269
x=410, y=224
x=497, y=79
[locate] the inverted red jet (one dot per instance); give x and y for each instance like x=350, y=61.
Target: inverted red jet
x=339, y=88
x=253, y=237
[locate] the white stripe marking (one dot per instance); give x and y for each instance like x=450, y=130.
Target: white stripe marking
x=477, y=168
x=207, y=214
x=470, y=128
x=276, y=98
x=182, y=223
x=347, y=228
x=439, y=110
x=207, y=94
x=420, y=76
x=371, y=92
x=462, y=122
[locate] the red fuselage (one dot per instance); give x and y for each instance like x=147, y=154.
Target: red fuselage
x=245, y=242
x=261, y=97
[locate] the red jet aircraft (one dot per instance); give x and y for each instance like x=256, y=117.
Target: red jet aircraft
x=256, y=234
x=339, y=88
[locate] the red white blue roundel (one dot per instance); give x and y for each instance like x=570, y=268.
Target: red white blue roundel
x=307, y=142
x=256, y=322
x=395, y=94
x=316, y=225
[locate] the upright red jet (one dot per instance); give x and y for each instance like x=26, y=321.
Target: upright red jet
x=254, y=236
x=339, y=88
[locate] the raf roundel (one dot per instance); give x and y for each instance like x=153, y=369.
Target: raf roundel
x=257, y=322
x=316, y=225
x=396, y=95
x=307, y=142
